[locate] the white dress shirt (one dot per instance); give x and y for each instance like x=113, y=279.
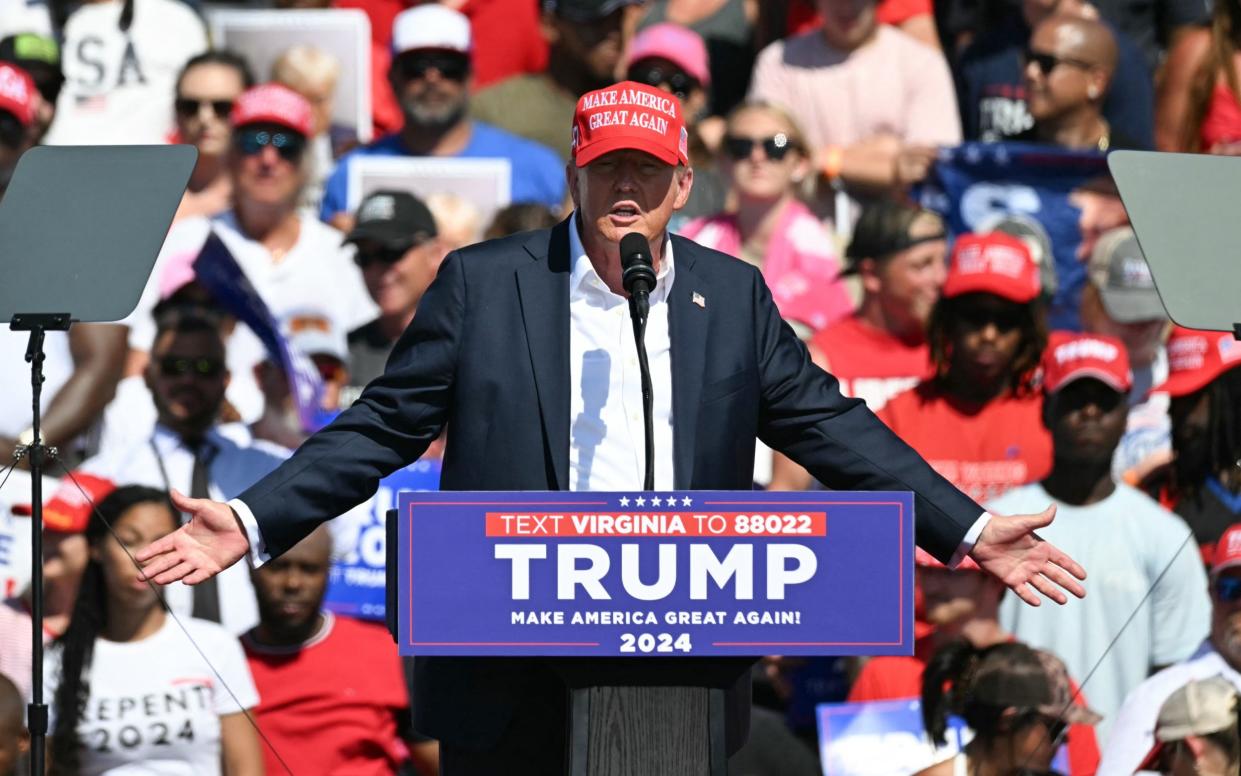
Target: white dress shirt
x=234, y=468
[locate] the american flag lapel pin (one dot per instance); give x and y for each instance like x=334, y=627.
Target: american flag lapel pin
x=700, y=300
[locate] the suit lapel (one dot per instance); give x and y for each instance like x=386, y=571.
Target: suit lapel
x=543, y=288
x=688, y=316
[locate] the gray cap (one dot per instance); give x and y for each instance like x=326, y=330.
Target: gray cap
x=1120, y=273
x=1198, y=708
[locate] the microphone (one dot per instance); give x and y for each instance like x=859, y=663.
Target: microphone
x=637, y=269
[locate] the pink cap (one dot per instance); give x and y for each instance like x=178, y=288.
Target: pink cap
x=679, y=45
x=1071, y=356
x=629, y=115
x=17, y=93
x=178, y=272
x=993, y=263
x=1195, y=358
x=275, y=104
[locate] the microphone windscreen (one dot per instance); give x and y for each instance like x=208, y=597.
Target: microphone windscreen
x=634, y=247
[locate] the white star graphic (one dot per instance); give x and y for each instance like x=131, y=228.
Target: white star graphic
x=640, y=501
x=686, y=501
x=624, y=501
x=657, y=501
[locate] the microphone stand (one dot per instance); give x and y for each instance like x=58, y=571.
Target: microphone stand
x=639, y=310
x=37, y=325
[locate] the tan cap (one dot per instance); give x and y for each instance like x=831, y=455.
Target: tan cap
x=1198, y=708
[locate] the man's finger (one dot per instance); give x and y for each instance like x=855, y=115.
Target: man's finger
x=1040, y=520
x=160, y=564
x=1049, y=589
x=158, y=547
x=184, y=503
x=1062, y=559
x=173, y=574
x=1062, y=578
x=1025, y=593
x=198, y=575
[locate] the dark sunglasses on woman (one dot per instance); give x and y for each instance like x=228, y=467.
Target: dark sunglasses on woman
x=655, y=74
x=774, y=147
x=188, y=108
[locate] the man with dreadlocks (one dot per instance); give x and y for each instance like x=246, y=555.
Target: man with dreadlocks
x=977, y=419
x=1204, y=483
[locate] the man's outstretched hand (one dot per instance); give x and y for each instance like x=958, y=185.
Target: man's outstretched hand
x=210, y=542
x=1009, y=549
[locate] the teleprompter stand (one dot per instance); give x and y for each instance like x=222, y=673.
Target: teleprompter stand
x=80, y=228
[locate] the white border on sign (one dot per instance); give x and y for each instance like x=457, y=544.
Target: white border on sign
x=320, y=27
x=484, y=183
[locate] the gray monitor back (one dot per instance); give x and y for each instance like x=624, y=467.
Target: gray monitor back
x=1186, y=213
x=81, y=226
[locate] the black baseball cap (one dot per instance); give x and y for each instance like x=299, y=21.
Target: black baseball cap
x=585, y=10
x=395, y=219
x=885, y=228
x=38, y=55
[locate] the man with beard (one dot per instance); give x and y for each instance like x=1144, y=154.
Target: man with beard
x=1133, y=732
x=1152, y=611
x=333, y=694
x=190, y=450
x=431, y=77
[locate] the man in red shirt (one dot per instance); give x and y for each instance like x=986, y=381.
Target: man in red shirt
x=333, y=695
x=978, y=421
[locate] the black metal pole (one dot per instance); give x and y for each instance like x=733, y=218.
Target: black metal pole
x=38, y=326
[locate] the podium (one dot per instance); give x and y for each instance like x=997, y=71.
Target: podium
x=651, y=607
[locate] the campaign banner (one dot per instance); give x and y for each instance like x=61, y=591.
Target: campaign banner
x=357, y=580
x=1058, y=200
x=702, y=573
x=224, y=278
x=879, y=738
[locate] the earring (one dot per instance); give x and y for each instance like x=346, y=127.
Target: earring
x=1093, y=92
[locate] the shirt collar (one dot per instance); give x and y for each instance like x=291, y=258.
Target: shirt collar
x=166, y=440
x=584, y=278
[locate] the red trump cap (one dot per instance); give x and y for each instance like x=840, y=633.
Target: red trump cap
x=276, y=104
x=629, y=115
x=1195, y=358
x=1071, y=356
x=993, y=263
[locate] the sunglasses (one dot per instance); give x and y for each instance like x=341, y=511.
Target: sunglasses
x=1227, y=589
x=1048, y=62
x=774, y=148
x=386, y=256
x=679, y=82
x=177, y=366
x=453, y=67
x=188, y=107
x=981, y=317
x=288, y=144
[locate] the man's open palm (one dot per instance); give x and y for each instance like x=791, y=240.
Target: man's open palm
x=210, y=542
x=1009, y=549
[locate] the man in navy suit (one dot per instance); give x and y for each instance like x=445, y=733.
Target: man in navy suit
x=522, y=347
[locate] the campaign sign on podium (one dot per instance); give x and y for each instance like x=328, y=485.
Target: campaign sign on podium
x=654, y=574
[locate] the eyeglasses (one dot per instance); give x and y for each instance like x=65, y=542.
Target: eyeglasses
x=188, y=107
x=1227, y=589
x=288, y=144
x=679, y=82
x=454, y=67
x=178, y=366
x=774, y=147
x=1048, y=62
x=385, y=256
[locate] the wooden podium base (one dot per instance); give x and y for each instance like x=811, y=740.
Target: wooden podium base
x=652, y=731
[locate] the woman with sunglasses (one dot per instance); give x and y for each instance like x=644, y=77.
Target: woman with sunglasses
x=1198, y=103
x=766, y=159
x=1016, y=700
x=978, y=419
x=129, y=685
x=206, y=89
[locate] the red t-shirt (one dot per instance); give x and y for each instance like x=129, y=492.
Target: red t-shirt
x=330, y=705
x=870, y=363
x=898, y=677
x=983, y=450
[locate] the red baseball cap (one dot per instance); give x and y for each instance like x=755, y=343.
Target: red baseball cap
x=629, y=115
x=17, y=92
x=993, y=263
x=1071, y=356
x=1195, y=358
x=1227, y=550
x=275, y=104
x=68, y=510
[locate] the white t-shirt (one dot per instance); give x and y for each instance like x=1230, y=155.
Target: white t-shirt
x=15, y=377
x=119, y=86
x=1133, y=732
x=18, y=16
x=317, y=275
x=1124, y=542
x=155, y=704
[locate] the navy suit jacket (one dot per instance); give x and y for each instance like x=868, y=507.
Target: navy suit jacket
x=488, y=354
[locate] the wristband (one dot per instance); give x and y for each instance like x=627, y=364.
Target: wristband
x=832, y=162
